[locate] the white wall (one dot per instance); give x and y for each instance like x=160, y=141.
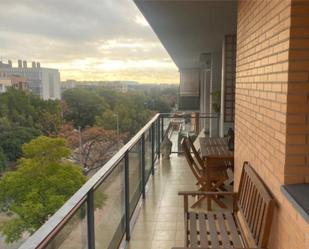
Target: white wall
x=205, y=98
x=50, y=84
x=189, y=82
x=216, y=65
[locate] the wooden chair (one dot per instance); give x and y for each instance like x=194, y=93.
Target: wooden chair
x=215, y=177
x=246, y=226
x=195, y=152
x=223, y=165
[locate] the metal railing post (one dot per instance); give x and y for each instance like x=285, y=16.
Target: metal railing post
x=127, y=195
x=218, y=123
x=90, y=220
x=152, y=148
x=143, y=167
x=162, y=127
x=158, y=137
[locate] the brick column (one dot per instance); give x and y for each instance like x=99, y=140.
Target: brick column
x=297, y=139
x=228, y=84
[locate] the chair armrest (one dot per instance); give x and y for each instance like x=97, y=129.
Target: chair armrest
x=186, y=194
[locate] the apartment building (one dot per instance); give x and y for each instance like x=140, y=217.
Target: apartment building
x=5, y=82
x=43, y=82
x=15, y=81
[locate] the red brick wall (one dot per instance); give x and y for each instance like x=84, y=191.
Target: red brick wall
x=261, y=85
x=271, y=119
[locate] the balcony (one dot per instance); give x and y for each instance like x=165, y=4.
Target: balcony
x=160, y=222
x=132, y=201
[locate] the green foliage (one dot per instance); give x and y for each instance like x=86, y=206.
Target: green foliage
x=107, y=120
x=131, y=110
x=216, y=101
x=12, y=138
x=88, y=107
x=46, y=149
x=40, y=185
x=2, y=160
x=27, y=110
x=49, y=118
x=24, y=116
x=82, y=107
x=161, y=99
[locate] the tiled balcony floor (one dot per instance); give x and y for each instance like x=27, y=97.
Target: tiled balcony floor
x=160, y=223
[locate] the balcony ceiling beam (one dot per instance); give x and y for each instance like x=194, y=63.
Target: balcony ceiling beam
x=188, y=29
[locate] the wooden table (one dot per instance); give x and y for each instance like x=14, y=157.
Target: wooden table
x=214, y=151
x=215, y=148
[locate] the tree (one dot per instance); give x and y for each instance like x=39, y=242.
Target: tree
x=131, y=110
x=108, y=121
x=27, y=110
x=2, y=160
x=49, y=117
x=12, y=138
x=82, y=107
x=161, y=99
x=98, y=145
x=41, y=184
x=16, y=107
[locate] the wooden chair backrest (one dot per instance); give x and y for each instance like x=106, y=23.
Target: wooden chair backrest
x=255, y=205
x=195, y=152
x=192, y=164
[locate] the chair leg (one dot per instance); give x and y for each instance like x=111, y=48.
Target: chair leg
x=199, y=200
x=215, y=185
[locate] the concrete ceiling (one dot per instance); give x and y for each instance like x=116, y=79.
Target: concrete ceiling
x=189, y=28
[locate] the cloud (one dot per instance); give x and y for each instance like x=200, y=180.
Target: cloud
x=95, y=36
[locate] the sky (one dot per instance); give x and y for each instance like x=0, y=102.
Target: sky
x=85, y=39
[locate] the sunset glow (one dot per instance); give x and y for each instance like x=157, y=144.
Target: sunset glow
x=85, y=40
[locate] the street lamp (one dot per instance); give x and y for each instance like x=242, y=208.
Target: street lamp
x=117, y=120
x=81, y=157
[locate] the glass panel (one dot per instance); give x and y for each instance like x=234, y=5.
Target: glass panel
x=205, y=123
x=155, y=136
x=74, y=234
x=178, y=129
x=166, y=123
x=157, y=129
x=189, y=125
x=148, y=160
x=135, y=178
x=109, y=215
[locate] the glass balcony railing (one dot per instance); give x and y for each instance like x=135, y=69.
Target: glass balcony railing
x=99, y=214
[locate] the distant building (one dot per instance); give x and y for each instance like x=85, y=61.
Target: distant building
x=4, y=84
x=15, y=81
x=68, y=84
x=44, y=82
x=19, y=82
x=119, y=86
